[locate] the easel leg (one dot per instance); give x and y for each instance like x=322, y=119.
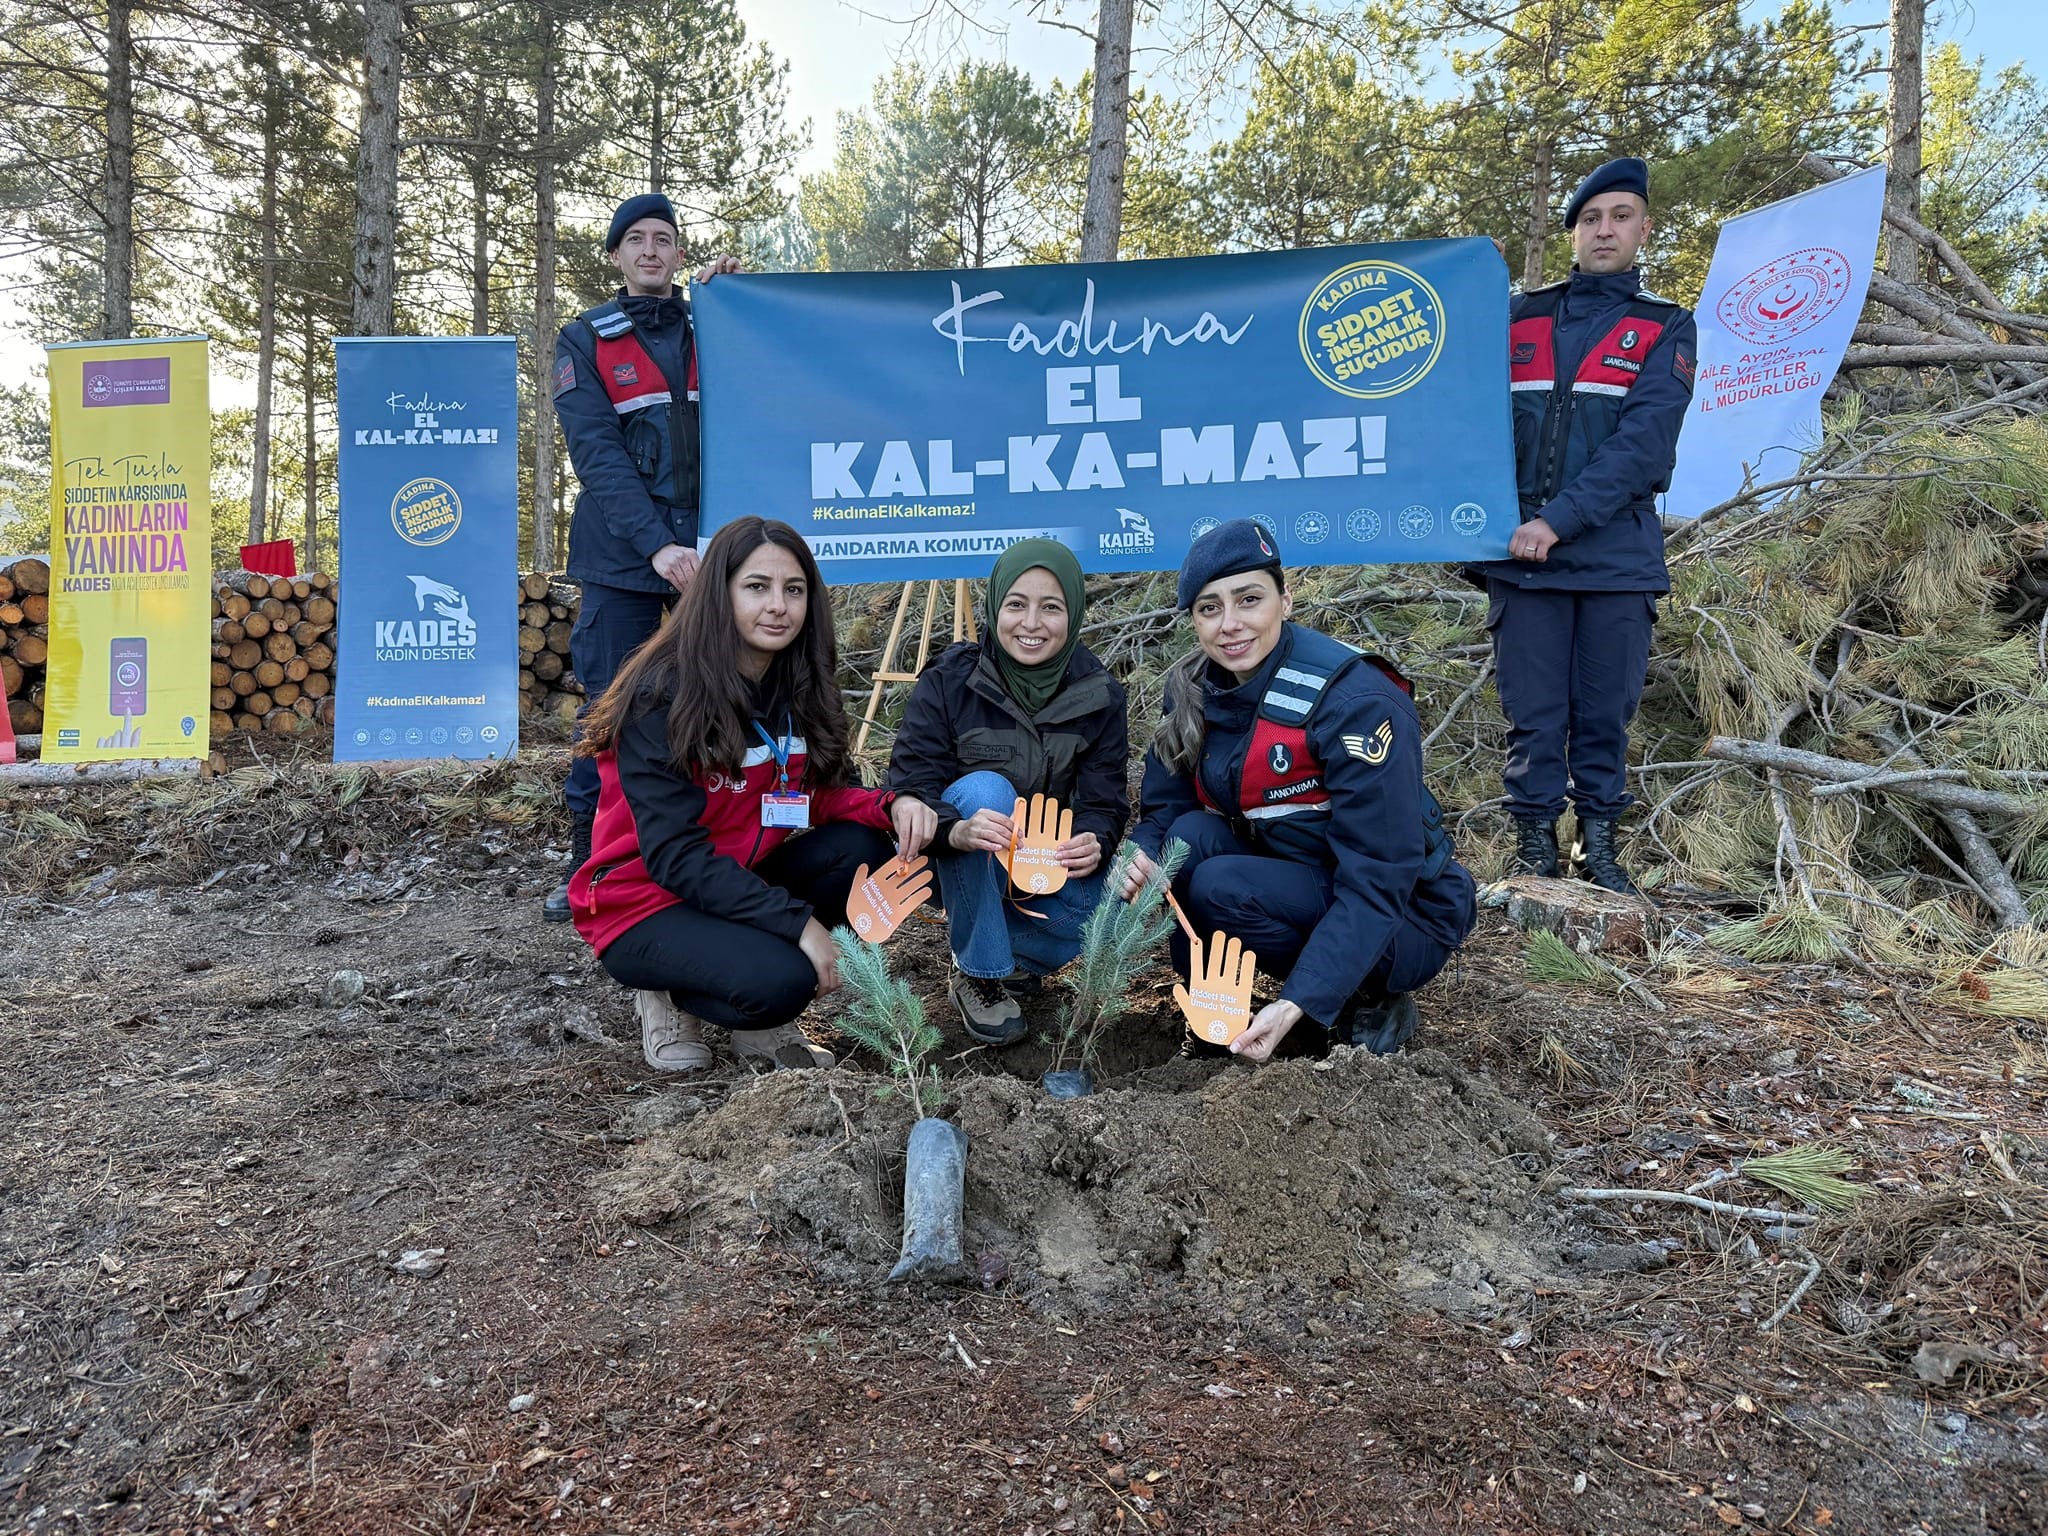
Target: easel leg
x=963, y=613
x=867, y=721
x=924, y=637
x=964, y=628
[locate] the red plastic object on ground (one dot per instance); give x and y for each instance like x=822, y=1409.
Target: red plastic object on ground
x=7, y=750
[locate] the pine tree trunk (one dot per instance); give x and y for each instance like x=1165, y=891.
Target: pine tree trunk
x=1902, y=179
x=479, y=228
x=657, y=141
x=1536, y=235
x=544, y=325
x=266, y=321
x=373, y=299
x=1102, y=216
x=310, y=425
x=117, y=313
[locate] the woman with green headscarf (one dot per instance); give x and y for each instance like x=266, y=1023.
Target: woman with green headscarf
x=1027, y=711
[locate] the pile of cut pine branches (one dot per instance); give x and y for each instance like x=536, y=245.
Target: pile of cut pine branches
x=1844, y=740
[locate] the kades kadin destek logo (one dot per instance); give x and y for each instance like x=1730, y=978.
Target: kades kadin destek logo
x=1133, y=535
x=441, y=628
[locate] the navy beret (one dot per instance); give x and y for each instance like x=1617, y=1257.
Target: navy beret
x=648, y=205
x=1229, y=549
x=1627, y=174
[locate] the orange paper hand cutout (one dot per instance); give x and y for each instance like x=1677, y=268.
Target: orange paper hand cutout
x=879, y=903
x=1035, y=867
x=1218, y=998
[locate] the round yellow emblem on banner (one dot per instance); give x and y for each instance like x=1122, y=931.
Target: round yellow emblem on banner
x=426, y=511
x=1372, y=329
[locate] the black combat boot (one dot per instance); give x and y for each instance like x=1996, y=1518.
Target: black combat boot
x=1536, y=848
x=1596, y=859
x=1382, y=1027
x=555, y=909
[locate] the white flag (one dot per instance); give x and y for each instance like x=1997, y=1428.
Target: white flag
x=1782, y=299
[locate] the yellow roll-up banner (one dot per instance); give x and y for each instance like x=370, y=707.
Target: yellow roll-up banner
x=131, y=551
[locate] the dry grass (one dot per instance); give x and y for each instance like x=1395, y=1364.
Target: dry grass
x=1959, y=1270
x=181, y=831
x=1811, y=1174
x=1564, y=1070
x=1995, y=991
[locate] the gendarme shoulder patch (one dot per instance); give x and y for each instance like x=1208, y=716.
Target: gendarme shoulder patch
x=1372, y=749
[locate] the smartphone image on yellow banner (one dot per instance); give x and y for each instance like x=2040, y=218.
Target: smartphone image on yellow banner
x=128, y=676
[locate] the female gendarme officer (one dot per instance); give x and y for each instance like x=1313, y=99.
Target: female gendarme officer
x=1291, y=766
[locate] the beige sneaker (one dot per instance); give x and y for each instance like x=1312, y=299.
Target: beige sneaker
x=670, y=1039
x=780, y=1049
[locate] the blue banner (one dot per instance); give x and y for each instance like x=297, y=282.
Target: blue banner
x=914, y=424
x=428, y=659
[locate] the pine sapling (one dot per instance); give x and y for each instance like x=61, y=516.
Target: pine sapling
x=1115, y=943
x=883, y=1014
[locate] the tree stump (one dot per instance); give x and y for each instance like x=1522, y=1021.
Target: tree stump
x=1583, y=915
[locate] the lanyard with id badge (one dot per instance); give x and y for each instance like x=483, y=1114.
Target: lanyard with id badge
x=783, y=809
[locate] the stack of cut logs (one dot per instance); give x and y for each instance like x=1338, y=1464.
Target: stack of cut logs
x=24, y=640
x=273, y=652
x=273, y=648
x=547, y=609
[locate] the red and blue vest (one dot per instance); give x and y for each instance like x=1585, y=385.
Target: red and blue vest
x=1280, y=781
x=660, y=430
x=631, y=378
x=1560, y=422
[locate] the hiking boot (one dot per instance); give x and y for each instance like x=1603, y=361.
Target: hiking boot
x=1595, y=858
x=1536, y=849
x=1382, y=1028
x=987, y=1010
x=781, y=1049
x=555, y=907
x=670, y=1039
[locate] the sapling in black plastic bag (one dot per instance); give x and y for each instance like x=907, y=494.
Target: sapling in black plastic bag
x=1115, y=943
x=884, y=1015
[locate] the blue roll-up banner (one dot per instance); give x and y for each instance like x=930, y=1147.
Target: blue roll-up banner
x=428, y=659
x=1354, y=400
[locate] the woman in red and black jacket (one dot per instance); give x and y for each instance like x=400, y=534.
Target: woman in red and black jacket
x=728, y=829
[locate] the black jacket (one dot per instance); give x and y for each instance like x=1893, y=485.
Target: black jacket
x=961, y=720
x=1602, y=374
x=639, y=470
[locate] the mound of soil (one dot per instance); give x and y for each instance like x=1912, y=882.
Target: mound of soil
x=1353, y=1173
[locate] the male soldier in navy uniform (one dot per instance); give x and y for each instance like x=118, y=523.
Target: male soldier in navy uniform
x=626, y=395
x=1602, y=373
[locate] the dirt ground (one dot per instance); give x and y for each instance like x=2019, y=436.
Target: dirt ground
x=427, y=1248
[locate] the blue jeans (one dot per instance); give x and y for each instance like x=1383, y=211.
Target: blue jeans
x=990, y=938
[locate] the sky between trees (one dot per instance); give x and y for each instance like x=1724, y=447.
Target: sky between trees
x=1256, y=127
